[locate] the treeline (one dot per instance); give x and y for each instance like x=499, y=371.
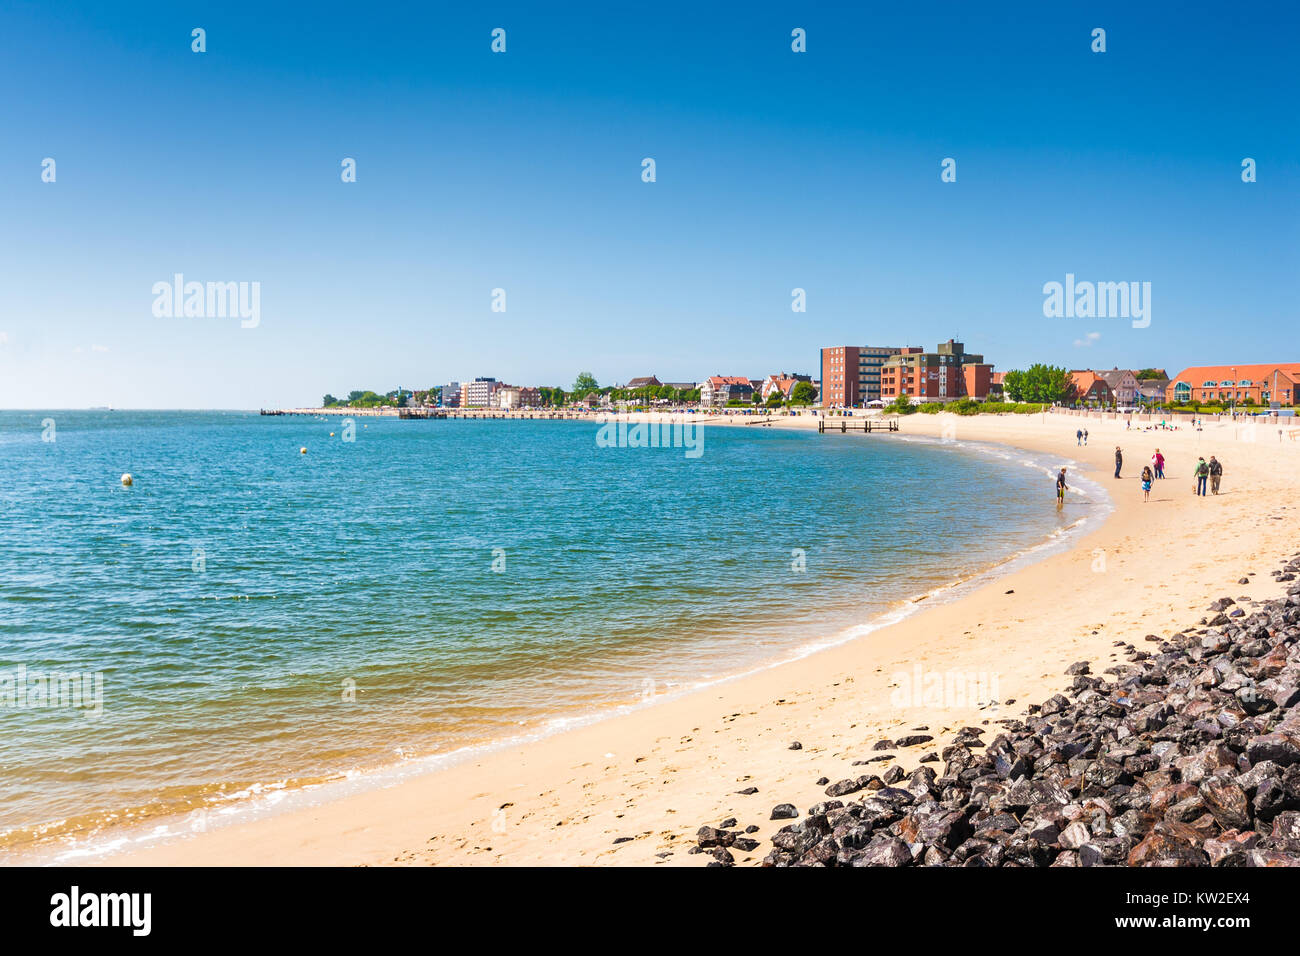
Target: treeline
x=963, y=406
x=397, y=398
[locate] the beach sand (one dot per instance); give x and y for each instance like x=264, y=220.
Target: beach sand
x=656, y=774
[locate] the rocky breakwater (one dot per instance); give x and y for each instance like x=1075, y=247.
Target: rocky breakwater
x=1188, y=754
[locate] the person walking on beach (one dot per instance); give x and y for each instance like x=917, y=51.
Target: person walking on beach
x=1078, y=436
x=1216, y=474
x=1159, y=461
x=1146, y=483
x=1060, y=489
x=1119, y=460
x=1085, y=438
x=1202, y=472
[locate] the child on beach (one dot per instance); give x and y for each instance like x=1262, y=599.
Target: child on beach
x=1146, y=483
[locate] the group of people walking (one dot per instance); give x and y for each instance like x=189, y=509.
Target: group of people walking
x=1206, y=472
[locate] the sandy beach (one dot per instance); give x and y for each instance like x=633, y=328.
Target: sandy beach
x=631, y=790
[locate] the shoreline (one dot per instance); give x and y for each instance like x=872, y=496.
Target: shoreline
x=274, y=796
x=594, y=767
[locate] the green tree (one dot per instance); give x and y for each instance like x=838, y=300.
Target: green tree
x=803, y=393
x=902, y=405
x=1150, y=373
x=329, y=401
x=775, y=400
x=1038, y=383
x=584, y=383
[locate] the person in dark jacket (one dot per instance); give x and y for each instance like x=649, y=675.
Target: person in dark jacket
x=1216, y=474
x=1119, y=460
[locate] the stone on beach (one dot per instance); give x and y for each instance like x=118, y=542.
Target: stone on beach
x=1184, y=755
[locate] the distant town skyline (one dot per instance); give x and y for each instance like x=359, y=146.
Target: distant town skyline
x=501, y=222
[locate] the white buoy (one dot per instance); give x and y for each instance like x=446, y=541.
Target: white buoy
x=127, y=480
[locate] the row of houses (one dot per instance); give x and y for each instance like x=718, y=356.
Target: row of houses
x=859, y=375
x=1117, y=386
x=716, y=390
x=1258, y=384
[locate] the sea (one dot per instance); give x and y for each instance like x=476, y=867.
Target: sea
x=278, y=610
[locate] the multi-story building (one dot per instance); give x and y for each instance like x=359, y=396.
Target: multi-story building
x=449, y=397
x=1123, y=384
x=720, y=389
x=850, y=374
x=946, y=374
x=1261, y=384
x=478, y=393
x=509, y=397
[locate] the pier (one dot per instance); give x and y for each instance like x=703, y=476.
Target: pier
x=867, y=425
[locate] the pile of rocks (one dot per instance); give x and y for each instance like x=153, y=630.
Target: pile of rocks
x=1187, y=755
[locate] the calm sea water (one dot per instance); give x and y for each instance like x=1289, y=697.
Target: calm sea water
x=262, y=619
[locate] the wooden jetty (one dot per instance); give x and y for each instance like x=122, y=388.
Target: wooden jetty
x=866, y=425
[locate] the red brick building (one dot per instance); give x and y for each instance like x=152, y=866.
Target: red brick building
x=1237, y=384
x=850, y=374
x=944, y=375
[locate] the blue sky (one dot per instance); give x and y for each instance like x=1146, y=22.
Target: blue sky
x=522, y=171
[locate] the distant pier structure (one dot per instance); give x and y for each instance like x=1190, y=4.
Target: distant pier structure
x=867, y=425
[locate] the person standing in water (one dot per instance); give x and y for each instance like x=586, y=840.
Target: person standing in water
x=1060, y=489
x=1146, y=483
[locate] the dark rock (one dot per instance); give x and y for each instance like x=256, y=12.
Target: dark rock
x=843, y=788
x=708, y=836
x=1169, y=844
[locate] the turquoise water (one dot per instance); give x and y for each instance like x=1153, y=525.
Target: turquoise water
x=260, y=617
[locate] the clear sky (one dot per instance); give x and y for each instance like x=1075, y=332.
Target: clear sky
x=522, y=171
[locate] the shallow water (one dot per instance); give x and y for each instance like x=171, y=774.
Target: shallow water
x=258, y=618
